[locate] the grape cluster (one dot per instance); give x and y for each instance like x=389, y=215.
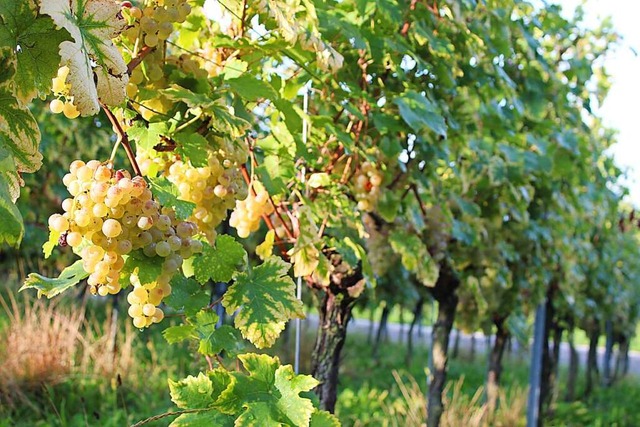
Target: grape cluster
x=63, y=103
x=110, y=215
x=154, y=23
x=367, y=187
x=213, y=188
x=245, y=218
x=381, y=256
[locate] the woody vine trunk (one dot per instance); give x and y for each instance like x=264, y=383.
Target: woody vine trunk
x=335, y=304
x=444, y=292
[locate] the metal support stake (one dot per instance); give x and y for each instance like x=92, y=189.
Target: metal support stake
x=536, y=367
x=298, y=322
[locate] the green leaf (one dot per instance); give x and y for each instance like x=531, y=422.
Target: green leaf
x=148, y=269
x=269, y=395
x=219, y=262
x=34, y=40
x=50, y=287
x=178, y=333
x=19, y=132
x=147, y=137
x=214, y=340
x=203, y=419
x=415, y=256
x=11, y=225
x=193, y=146
x=265, y=298
x=252, y=89
x=234, y=68
x=187, y=295
x=419, y=112
x=192, y=392
x=168, y=195
x=324, y=419
x=305, y=254
x=97, y=71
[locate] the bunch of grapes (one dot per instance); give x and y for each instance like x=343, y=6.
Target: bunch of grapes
x=381, y=256
x=245, y=218
x=63, y=103
x=154, y=23
x=213, y=188
x=110, y=215
x=367, y=187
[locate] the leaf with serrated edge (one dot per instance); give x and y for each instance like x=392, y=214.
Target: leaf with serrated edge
x=92, y=24
x=221, y=261
x=50, y=287
x=187, y=295
x=19, y=131
x=34, y=40
x=203, y=419
x=11, y=226
x=178, y=333
x=192, y=392
x=323, y=419
x=167, y=195
x=269, y=395
x=265, y=298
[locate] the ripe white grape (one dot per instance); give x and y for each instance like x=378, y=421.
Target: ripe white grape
x=245, y=218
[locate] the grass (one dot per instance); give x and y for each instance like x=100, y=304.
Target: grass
x=87, y=386
x=405, y=316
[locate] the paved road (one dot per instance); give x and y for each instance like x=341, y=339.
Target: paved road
x=397, y=332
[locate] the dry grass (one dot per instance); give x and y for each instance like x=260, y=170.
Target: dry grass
x=461, y=410
x=44, y=343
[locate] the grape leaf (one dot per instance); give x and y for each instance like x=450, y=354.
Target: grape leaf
x=269, y=395
x=11, y=226
x=192, y=392
x=265, y=298
x=193, y=146
x=92, y=24
x=323, y=419
x=19, y=132
x=203, y=419
x=415, y=256
x=167, y=194
x=419, y=112
x=252, y=89
x=214, y=340
x=50, y=287
x=221, y=261
x=186, y=295
x=34, y=40
x=54, y=238
x=147, y=137
x=147, y=269
x=178, y=333
x=305, y=254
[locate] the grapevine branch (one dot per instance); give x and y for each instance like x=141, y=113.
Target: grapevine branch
x=267, y=220
x=123, y=139
x=139, y=58
x=287, y=230
x=168, y=414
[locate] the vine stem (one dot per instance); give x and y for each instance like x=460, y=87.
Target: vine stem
x=267, y=220
x=122, y=138
x=287, y=230
x=146, y=50
x=168, y=414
